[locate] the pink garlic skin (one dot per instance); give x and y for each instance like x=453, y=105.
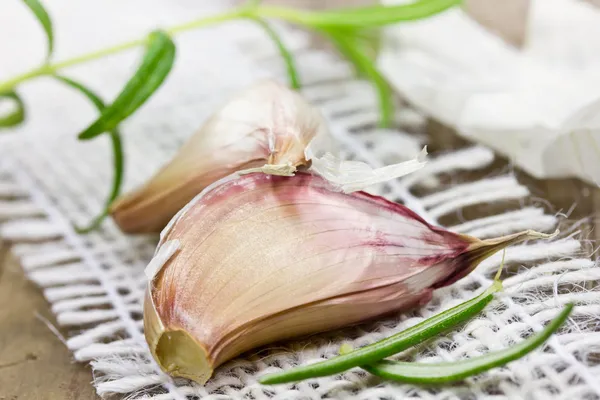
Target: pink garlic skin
x=264, y=258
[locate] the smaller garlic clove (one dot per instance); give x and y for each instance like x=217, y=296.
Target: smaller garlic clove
x=149, y=208
x=265, y=127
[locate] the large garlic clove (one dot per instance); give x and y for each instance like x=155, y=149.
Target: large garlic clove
x=265, y=124
x=257, y=258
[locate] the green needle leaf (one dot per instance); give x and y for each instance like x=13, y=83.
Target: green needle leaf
x=118, y=156
x=42, y=16
x=94, y=98
x=368, y=40
x=284, y=52
x=379, y=15
x=15, y=117
x=401, y=341
x=429, y=373
x=156, y=65
x=365, y=66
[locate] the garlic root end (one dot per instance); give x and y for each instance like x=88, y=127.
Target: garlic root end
x=179, y=354
x=174, y=350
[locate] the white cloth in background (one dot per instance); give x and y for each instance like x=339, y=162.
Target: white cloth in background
x=539, y=106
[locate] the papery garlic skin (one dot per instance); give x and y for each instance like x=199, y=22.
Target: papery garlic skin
x=262, y=258
x=267, y=126
x=350, y=176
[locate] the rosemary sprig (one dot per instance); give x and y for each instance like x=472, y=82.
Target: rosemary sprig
x=344, y=27
x=448, y=372
x=394, y=344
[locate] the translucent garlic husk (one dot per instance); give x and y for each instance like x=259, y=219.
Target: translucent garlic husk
x=265, y=127
x=258, y=258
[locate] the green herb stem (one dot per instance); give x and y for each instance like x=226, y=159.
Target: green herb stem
x=401, y=341
x=53, y=68
x=215, y=19
x=441, y=373
x=364, y=66
x=286, y=55
x=118, y=154
x=9, y=85
x=287, y=14
x=118, y=164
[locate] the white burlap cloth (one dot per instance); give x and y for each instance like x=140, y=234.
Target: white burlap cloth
x=94, y=282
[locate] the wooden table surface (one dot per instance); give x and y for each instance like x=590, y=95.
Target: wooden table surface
x=34, y=363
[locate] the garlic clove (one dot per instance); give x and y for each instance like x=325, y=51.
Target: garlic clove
x=258, y=258
x=265, y=124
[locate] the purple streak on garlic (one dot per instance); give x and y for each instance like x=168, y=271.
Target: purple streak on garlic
x=258, y=258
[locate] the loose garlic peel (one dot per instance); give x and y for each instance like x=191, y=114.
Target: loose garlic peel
x=307, y=258
x=351, y=176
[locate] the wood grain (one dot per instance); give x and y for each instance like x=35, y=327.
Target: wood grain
x=34, y=364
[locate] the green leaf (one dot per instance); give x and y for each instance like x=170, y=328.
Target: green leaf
x=44, y=19
x=284, y=52
x=379, y=15
x=369, y=40
x=156, y=65
x=118, y=164
x=365, y=66
x=15, y=117
x=118, y=155
x=432, y=373
x=94, y=98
